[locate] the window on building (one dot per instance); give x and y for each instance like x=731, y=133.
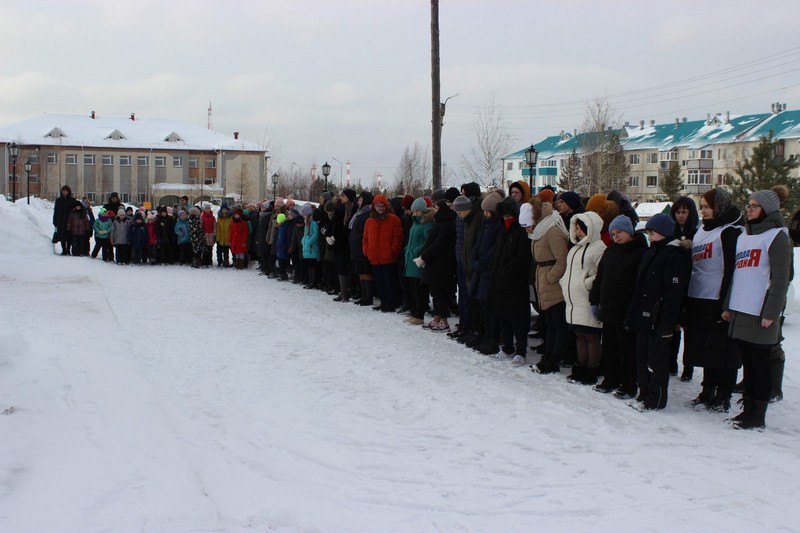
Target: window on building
x=699, y=177
x=519, y=165
x=706, y=154
x=140, y=198
x=652, y=158
x=633, y=159
x=652, y=181
x=211, y=163
x=194, y=163
x=668, y=156
x=71, y=159
x=89, y=159
x=177, y=162
x=548, y=163
x=720, y=179
x=108, y=160
x=143, y=161
x=723, y=153
x=160, y=161
x=34, y=159
x=90, y=196
x=509, y=166
x=124, y=160
x=52, y=159
x=779, y=150
x=633, y=181
x=125, y=197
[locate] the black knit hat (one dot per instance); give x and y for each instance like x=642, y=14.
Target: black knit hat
x=508, y=206
x=471, y=190
x=451, y=194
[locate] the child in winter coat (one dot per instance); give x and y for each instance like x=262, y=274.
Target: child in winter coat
x=184, y=238
x=152, y=238
x=417, y=236
x=137, y=237
x=582, y=261
x=222, y=235
x=611, y=294
x=119, y=238
x=661, y=284
x=102, y=236
x=239, y=239
x=77, y=227
x=310, y=244
x=282, y=245
x=207, y=217
x=198, y=237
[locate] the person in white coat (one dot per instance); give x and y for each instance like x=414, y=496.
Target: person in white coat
x=582, y=262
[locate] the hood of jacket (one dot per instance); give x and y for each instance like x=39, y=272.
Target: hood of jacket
x=594, y=225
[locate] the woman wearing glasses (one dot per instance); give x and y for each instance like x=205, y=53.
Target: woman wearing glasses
x=757, y=297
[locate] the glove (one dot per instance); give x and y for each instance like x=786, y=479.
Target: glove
x=419, y=262
x=330, y=240
x=596, y=312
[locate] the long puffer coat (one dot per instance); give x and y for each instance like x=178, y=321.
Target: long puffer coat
x=582, y=261
x=383, y=235
x=439, y=252
x=482, y=256
x=239, y=235
x=508, y=295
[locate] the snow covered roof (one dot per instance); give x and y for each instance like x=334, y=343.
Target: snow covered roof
x=119, y=132
x=649, y=209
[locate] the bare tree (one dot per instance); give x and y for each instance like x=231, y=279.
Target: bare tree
x=413, y=171
x=604, y=165
x=484, y=163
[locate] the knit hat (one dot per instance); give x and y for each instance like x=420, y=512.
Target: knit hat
x=661, y=223
x=290, y=203
x=306, y=210
x=279, y=202
x=224, y=206
x=194, y=211
x=768, y=200
x=367, y=198
x=419, y=205
x=471, y=190
x=182, y=214
x=121, y=212
x=407, y=201
x=451, y=194
x=526, y=215
x=461, y=203
x=572, y=199
x=621, y=222
x=508, y=206
x=437, y=195
x=206, y=205
x=326, y=195
x=281, y=218
x=350, y=193
x=547, y=195
x=490, y=202
x=150, y=217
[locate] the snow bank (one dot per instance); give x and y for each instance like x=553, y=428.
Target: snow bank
x=173, y=399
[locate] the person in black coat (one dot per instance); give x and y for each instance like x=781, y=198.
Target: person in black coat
x=166, y=238
x=359, y=264
x=610, y=296
x=61, y=211
x=684, y=213
x=338, y=238
x=113, y=203
x=487, y=341
x=656, y=307
x=262, y=248
x=508, y=295
x=438, y=262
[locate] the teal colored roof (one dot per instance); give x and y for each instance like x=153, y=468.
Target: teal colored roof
x=691, y=134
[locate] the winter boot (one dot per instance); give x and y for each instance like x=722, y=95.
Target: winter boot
x=344, y=295
x=195, y=262
x=703, y=399
x=687, y=374
x=589, y=376
x=366, y=294
x=755, y=418
x=576, y=376
x=776, y=369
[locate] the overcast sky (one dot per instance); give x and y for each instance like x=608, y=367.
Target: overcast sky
x=350, y=79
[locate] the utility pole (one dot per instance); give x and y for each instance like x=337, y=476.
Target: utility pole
x=436, y=116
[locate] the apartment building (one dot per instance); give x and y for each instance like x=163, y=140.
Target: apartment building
x=705, y=151
x=145, y=160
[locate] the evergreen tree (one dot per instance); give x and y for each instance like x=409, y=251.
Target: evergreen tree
x=763, y=170
x=672, y=182
x=570, y=179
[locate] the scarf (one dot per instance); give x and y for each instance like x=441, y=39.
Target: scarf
x=546, y=223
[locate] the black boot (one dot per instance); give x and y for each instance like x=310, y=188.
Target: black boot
x=755, y=419
x=366, y=294
x=703, y=399
x=576, y=376
x=589, y=376
x=344, y=285
x=776, y=369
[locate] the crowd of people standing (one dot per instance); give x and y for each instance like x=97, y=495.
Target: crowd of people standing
x=610, y=302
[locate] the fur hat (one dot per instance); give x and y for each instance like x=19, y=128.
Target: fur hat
x=419, y=205
x=508, y=206
x=451, y=194
x=490, y=202
x=471, y=190
x=621, y=222
x=461, y=203
x=661, y=223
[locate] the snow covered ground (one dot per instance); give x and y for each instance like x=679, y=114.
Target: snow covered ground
x=173, y=399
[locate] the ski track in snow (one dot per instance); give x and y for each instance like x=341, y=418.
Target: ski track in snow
x=172, y=399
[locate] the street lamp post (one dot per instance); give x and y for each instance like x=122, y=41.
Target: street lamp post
x=28, y=172
x=13, y=153
x=326, y=171
x=274, y=186
x=531, y=155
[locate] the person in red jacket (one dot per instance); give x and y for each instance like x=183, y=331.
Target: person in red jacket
x=240, y=236
x=207, y=217
x=381, y=244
